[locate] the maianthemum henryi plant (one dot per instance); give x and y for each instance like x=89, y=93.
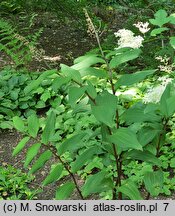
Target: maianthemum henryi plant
x=126, y=130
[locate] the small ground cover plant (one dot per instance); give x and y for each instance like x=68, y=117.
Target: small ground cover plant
x=119, y=132
x=14, y=184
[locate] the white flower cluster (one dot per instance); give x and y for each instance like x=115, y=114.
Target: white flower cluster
x=154, y=94
x=143, y=27
x=165, y=66
x=127, y=39
x=165, y=80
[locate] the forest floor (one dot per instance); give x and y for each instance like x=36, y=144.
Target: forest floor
x=65, y=40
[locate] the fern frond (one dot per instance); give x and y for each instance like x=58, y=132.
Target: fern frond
x=16, y=46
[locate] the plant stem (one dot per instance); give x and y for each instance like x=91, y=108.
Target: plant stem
x=160, y=137
x=91, y=98
x=54, y=151
x=110, y=73
x=119, y=171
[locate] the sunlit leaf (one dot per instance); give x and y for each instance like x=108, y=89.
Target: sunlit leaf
x=64, y=191
x=44, y=157
x=31, y=153
x=157, y=31
x=20, y=145
x=124, y=57
x=19, y=124
x=49, y=129
x=33, y=125
x=53, y=175
x=71, y=73
x=87, y=61
x=160, y=18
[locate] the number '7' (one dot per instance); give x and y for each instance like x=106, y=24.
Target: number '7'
x=166, y=205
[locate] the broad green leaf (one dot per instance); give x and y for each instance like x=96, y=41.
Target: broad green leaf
x=75, y=93
x=171, y=105
x=6, y=111
x=117, y=51
x=19, y=124
x=84, y=57
x=56, y=102
x=87, y=61
x=91, y=90
x=64, y=191
x=97, y=183
x=98, y=72
x=137, y=114
x=157, y=31
x=104, y=132
x=45, y=96
x=71, y=73
x=143, y=156
x=82, y=106
x=71, y=144
x=130, y=189
x=172, y=18
x=124, y=57
x=20, y=146
x=130, y=79
x=83, y=158
x=105, y=108
x=146, y=135
x=154, y=182
x=44, y=157
x=150, y=107
x=33, y=125
x=163, y=101
x=53, y=175
x=58, y=82
x=124, y=139
x=40, y=105
x=49, y=129
x=14, y=94
x=31, y=153
x=172, y=42
x=160, y=18
x=6, y=125
x=33, y=85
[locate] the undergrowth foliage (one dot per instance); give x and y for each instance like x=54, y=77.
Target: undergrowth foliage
x=125, y=128
x=17, y=47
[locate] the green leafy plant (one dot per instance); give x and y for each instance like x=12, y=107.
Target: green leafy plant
x=14, y=184
x=24, y=93
x=124, y=132
x=19, y=48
